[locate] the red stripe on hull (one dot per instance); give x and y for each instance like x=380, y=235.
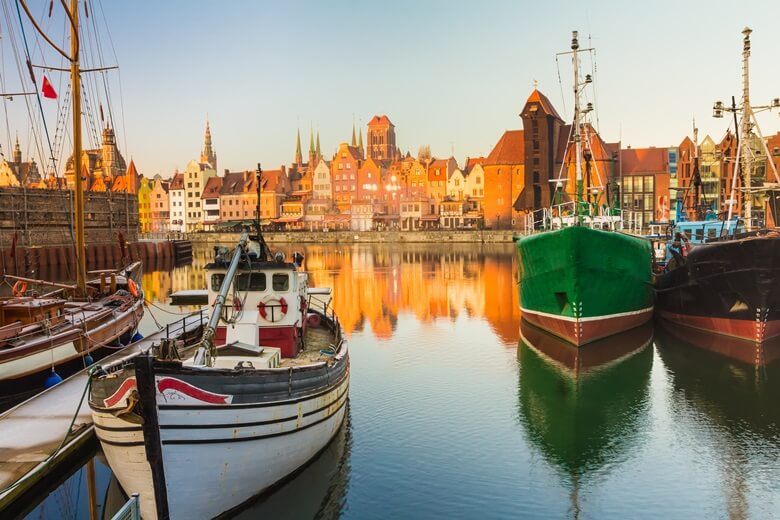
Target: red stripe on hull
x=749, y=330
x=582, y=332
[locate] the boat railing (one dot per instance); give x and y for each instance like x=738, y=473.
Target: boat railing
x=568, y=214
x=131, y=510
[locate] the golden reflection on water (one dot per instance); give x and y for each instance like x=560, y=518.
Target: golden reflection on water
x=373, y=284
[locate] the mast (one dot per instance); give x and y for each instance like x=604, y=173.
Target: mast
x=78, y=221
x=745, y=129
x=575, y=45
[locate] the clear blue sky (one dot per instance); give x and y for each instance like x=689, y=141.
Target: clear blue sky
x=449, y=74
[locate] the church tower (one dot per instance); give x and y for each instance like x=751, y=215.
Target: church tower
x=208, y=155
x=17, y=152
x=312, y=151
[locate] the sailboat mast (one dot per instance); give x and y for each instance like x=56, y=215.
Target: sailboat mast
x=575, y=45
x=747, y=117
x=78, y=221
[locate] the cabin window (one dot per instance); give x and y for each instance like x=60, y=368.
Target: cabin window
x=216, y=281
x=711, y=232
x=700, y=234
x=250, y=282
x=281, y=282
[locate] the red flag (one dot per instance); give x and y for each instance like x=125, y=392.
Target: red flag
x=48, y=90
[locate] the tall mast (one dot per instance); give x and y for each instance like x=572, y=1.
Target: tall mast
x=81, y=266
x=575, y=45
x=747, y=199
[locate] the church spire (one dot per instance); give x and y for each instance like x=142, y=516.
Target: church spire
x=208, y=155
x=319, y=152
x=298, y=155
x=17, y=156
x=311, y=141
x=353, y=134
x=360, y=143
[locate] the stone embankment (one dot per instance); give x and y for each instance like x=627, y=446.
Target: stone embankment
x=356, y=237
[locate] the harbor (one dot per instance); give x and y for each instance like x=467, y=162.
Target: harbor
x=557, y=436
x=553, y=324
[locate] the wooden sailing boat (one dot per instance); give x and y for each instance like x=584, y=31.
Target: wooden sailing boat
x=729, y=282
x=583, y=280
x=39, y=333
x=198, y=433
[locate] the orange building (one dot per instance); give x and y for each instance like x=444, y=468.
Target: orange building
x=503, y=169
x=381, y=139
x=344, y=172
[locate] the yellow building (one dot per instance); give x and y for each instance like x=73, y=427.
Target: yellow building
x=144, y=205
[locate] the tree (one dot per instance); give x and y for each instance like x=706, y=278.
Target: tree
x=424, y=154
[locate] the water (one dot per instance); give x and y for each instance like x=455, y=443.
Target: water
x=452, y=415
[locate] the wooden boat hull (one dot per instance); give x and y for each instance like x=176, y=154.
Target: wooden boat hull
x=224, y=436
x=585, y=284
x=36, y=357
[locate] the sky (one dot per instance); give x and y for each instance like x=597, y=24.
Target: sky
x=450, y=74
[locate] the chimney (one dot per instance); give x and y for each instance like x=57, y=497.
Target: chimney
x=226, y=172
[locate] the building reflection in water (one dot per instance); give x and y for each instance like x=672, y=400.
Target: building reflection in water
x=726, y=391
x=582, y=408
x=374, y=283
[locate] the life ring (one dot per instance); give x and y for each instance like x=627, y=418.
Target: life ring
x=20, y=287
x=237, y=304
x=280, y=304
x=132, y=287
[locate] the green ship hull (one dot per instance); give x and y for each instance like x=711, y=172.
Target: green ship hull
x=584, y=284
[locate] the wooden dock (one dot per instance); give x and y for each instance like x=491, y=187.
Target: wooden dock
x=31, y=432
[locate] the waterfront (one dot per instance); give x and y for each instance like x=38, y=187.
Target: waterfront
x=453, y=416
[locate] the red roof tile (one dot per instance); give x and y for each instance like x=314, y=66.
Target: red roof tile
x=510, y=149
x=538, y=97
x=380, y=120
x=643, y=160
x=177, y=183
x=213, y=188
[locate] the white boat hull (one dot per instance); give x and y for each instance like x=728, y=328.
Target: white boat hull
x=216, y=458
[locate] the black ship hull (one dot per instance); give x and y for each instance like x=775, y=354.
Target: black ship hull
x=730, y=287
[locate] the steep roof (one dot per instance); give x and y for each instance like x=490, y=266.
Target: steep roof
x=643, y=160
x=232, y=183
x=510, y=149
x=213, y=188
x=380, y=120
x=547, y=106
x=177, y=183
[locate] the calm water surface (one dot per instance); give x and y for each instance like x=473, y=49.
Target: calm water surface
x=458, y=412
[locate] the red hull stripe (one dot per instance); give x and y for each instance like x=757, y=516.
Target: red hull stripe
x=170, y=383
x=579, y=332
x=749, y=330
x=127, y=385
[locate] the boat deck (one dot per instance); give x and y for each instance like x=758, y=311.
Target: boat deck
x=316, y=340
x=32, y=431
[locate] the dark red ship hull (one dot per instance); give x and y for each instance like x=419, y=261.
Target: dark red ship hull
x=730, y=288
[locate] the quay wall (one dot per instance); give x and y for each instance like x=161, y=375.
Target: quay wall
x=354, y=237
x=58, y=262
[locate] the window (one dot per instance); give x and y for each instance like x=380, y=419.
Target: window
x=536, y=144
x=637, y=184
x=478, y=180
x=341, y=166
x=649, y=183
x=648, y=201
x=349, y=166
x=216, y=281
x=281, y=282
x=251, y=282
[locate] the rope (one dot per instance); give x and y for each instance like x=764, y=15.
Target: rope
x=50, y=458
x=149, y=302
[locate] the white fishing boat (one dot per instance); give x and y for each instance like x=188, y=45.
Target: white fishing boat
x=198, y=432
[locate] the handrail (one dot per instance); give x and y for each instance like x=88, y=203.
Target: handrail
x=131, y=510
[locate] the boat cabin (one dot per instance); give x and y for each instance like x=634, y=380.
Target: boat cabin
x=27, y=311
x=266, y=307
x=701, y=231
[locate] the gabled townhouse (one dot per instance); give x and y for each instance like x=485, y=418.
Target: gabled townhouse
x=160, y=201
x=196, y=174
x=178, y=210
x=211, y=203
x=344, y=170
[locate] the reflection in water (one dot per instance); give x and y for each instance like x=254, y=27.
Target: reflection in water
x=733, y=405
x=318, y=491
x=374, y=283
x=582, y=407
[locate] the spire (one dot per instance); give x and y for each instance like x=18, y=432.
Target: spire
x=17, y=156
x=311, y=141
x=353, y=134
x=360, y=143
x=298, y=156
x=319, y=153
x=208, y=155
